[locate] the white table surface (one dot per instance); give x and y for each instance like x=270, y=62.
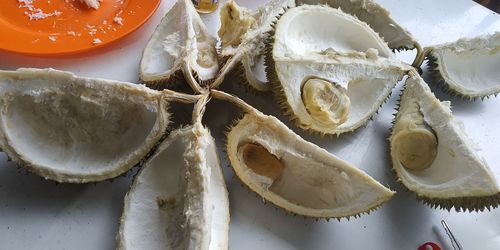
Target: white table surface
x=37, y=214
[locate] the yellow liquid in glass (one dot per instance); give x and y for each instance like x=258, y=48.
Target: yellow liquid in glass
x=205, y=6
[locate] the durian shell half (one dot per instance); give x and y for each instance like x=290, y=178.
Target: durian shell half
x=179, y=199
x=457, y=177
x=374, y=15
x=181, y=46
x=468, y=67
x=75, y=129
x=359, y=61
x=312, y=182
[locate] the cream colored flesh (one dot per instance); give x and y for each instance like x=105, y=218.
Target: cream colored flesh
x=181, y=42
x=74, y=129
x=326, y=103
x=179, y=199
x=456, y=171
x=469, y=67
x=374, y=15
x=301, y=177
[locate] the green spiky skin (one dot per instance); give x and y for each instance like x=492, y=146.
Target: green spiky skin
x=173, y=82
x=438, y=79
x=460, y=204
x=266, y=201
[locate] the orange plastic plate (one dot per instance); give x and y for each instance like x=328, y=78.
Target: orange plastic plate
x=61, y=27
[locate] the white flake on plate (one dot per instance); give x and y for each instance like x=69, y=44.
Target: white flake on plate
x=96, y=41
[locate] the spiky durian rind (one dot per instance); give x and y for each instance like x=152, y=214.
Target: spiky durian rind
x=173, y=82
x=460, y=204
x=438, y=79
x=226, y=150
x=280, y=95
x=119, y=238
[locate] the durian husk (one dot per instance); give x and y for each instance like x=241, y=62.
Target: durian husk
x=459, y=204
x=263, y=120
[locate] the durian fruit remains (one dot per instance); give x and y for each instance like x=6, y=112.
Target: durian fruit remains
x=180, y=48
x=433, y=157
x=327, y=80
x=468, y=67
x=74, y=129
x=296, y=175
x=179, y=198
x=243, y=34
x=376, y=16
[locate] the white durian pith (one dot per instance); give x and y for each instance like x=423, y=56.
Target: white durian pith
x=374, y=15
x=312, y=28
x=301, y=177
x=456, y=171
x=468, y=67
x=358, y=61
x=180, y=44
x=74, y=129
x=367, y=83
x=179, y=199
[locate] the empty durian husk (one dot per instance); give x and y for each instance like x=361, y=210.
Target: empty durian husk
x=76, y=129
x=467, y=67
x=180, y=48
x=178, y=200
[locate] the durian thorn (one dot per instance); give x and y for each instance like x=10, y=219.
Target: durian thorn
x=175, y=96
x=199, y=108
x=421, y=54
x=191, y=80
x=230, y=64
x=220, y=95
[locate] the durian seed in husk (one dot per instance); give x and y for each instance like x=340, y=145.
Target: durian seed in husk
x=326, y=102
x=415, y=140
x=261, y=161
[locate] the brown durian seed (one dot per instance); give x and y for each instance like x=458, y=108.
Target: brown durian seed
x=326, y=102
x=261, y=161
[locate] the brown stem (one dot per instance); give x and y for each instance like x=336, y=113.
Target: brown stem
x=188, y=74
x=421, y=54
x=180, y=97
x=199, y=108
x=220, y=95
x=230, y=64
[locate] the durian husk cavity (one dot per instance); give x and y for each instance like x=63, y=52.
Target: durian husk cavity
x=327, y=80
x=433, y=157
x=467, y=67
x=180, y=48
x=75, y=129
x=294, y=174
x=179, y=199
